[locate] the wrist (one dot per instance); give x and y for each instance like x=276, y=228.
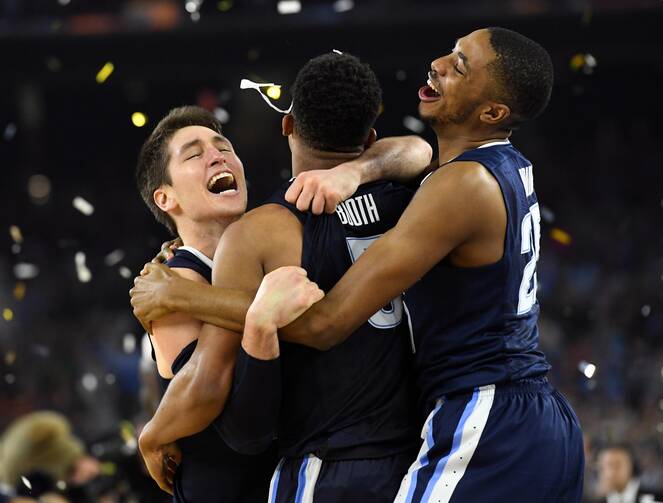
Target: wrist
x=256, y=326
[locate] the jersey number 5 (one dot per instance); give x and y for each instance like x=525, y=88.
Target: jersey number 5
x=391, y=315
x=531, y=238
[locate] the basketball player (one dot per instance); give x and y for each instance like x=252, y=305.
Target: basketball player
x=466, y=251
x=192, y=180
x=347, y=431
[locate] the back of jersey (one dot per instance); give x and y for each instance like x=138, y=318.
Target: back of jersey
x=355, y=400
x=477, y=326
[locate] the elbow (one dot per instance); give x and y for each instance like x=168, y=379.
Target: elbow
x=423, y=149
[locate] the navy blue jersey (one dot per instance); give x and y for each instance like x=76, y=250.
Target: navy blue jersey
x=477, y=326
x=210, y=470
x=353, y=401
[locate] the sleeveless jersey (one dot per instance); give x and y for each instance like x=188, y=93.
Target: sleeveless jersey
x=355, y=400
x=210, y=470
x=477, y=326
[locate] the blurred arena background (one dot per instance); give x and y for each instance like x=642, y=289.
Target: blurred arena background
x=84, y=81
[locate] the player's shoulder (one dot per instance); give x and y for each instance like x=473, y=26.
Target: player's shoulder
x=192, y=264
x=462, y=176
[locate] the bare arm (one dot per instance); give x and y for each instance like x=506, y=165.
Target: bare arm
x=399, y=158
x=458, y=205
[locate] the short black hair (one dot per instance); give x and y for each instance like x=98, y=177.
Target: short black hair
x=523, y=72
x=336, y=99
x=152, y=166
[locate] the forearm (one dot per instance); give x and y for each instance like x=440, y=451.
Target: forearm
x=201, y=394
x=399, y=158
x=217, y=306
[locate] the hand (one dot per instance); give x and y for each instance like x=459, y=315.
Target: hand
x=322, y=190
x=150, y=294
x=161, y=461
x=283, y=296
x=167, y=249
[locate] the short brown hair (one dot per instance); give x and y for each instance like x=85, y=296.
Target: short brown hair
x=152, y=166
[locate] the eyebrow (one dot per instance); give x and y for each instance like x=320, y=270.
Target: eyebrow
x=197, y=142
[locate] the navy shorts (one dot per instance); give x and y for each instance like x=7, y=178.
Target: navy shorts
x=514, y=443
x=310, y=479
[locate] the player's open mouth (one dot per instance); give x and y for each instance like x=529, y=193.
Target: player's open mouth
x=429, y=93
x=222, y=183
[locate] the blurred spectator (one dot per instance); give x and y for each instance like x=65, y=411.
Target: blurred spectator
x=618, y=480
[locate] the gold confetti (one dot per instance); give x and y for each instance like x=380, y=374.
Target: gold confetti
x=561, y=236
x=105, y=72
x=7, y=314
x=138, y=119
x=10, y=357
x=19, y=290
x=274, y=92
x=16, y=234
x=224, y=5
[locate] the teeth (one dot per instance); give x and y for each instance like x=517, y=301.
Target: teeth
x=215, y=178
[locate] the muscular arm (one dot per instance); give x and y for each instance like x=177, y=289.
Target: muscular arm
x=460, y=205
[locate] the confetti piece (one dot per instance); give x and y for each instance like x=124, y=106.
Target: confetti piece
x=114, y=258
x=110, y=379
x=583, y=62
x=10, y=379
x=125, y=272
x=547, y=215
x=588, y=369
x=138, y=119
x=343, y=5
x=19, y=290
x=646, y=310
x=39, y=187
x=61, y=485
x=129, y=343
x=336, y=51
x=89, y=382
x=561, y=236
x=224, y=5
x=274, y=92
x=191, y=6
x=64, y=2
x=289, y=7
x=221, y=115
x=10, y=357
x=40, y=350
x=83, y=273
x=83, y=206
x=16, y=248
x=413, y=124
x=16, y=234
x=26, y=482
x=23, y=270
x=105, y=72
x=401, y=75
x=7, y=314
x=10, y=131
x=195, y=17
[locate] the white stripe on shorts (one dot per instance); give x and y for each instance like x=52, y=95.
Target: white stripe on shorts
x=455, y=463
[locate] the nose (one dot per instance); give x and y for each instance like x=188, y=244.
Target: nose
x=215, y=157
x=440, y=65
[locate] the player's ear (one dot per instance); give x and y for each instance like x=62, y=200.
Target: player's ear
x=165, y=198
x=495, y=113
x=287, y=124
x=372, y=137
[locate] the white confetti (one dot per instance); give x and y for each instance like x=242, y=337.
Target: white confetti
x=64, y=2
x=10, y=378
x=10, y=131
x=83, y=273
x=114, y=258
x=23, y=270
x=39, y=187
x=129, y=343
x=221, y=115
x=125, y=272
x=343, y=5
x=401, y=75
x=61, y=485
x=646, y=310
x=588, y=369
x=413, y=124
x=16, y=248
x=289, y=7
x=110, y=379
x=90, y=382
x=26, y=482
x=83, y=206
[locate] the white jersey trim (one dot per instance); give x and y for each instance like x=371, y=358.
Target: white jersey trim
x=204, y=258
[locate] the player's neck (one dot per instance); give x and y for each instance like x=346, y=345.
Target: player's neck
x=451, y=146
x=203, y=238
x=305, y=158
